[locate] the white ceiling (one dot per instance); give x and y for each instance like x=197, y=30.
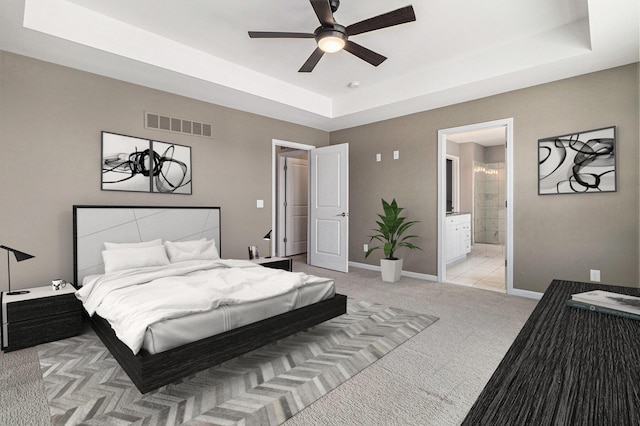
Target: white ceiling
x=457, y=50
x=486, y=137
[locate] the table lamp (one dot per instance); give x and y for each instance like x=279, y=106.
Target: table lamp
x=20, y=256
x=268, y=238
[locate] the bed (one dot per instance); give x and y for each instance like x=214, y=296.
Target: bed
x=158, y=364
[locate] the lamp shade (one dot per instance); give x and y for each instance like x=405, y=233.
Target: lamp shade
x=268, y=238
x=331, y=44
x=331, y=39
x=20, y=256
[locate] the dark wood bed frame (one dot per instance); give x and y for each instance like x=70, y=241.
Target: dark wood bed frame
x=151, y=371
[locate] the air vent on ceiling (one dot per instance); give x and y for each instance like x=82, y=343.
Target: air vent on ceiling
x=176, y=125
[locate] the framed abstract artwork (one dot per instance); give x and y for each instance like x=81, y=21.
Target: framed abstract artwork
x=135, y=164
x=126, y=163
x=583, y=162
x=172, y=168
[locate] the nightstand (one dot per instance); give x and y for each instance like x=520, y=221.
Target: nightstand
x=40, y=316
x=275, y=262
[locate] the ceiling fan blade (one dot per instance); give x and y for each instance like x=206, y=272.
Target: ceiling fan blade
x=312, y=61
x=273, y=34
x=323, y=12
x=389, y=19
x=365, y=54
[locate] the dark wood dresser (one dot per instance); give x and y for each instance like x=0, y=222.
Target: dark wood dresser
x=40, y=316
x=567, y=366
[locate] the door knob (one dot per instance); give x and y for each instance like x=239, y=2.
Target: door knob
x=343, y=214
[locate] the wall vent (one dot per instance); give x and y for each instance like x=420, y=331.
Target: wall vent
x=177, y=125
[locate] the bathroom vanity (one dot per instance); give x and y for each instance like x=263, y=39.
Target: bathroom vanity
x=458, y=236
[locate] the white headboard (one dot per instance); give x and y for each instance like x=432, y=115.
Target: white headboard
x=95, y=225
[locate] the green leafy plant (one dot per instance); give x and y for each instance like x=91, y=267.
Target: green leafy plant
x=390, y=231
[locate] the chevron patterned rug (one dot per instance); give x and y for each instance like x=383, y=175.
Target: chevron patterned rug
x=84, y=383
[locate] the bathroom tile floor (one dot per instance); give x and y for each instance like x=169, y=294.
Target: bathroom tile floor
x=483, y=268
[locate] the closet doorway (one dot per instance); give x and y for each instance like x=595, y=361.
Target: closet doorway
x=327, y=219
x=474, y=186
x=292, y=202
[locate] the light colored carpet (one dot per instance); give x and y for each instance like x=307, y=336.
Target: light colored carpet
x=22, y=397
x=433, y=379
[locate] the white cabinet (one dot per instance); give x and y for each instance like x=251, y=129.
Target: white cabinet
x=451, y=240
x=458, y=236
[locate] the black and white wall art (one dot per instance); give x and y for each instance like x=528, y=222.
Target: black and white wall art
x=172, y=168
x=581, y=162
x=135, y=164
x=126, y=163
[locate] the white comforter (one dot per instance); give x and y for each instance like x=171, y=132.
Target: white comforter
x=131, y=300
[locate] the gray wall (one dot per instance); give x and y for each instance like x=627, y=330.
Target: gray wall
x=51, y=118
x=494, y=154
x=50, y=123
x=469, y=152
x=559, y=236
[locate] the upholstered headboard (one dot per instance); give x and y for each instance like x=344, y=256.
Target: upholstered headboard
x=95, y=225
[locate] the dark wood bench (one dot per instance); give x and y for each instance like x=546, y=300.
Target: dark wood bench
x=567, y=366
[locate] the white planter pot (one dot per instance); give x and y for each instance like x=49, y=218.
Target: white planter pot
x=391, y=270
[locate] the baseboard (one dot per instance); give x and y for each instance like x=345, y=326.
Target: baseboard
x=526, y=293
x=419, y=276
x=514, y=292
x=364, y=266
x=409, y=274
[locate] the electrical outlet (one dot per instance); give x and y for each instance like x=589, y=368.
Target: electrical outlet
x=396, y=155
x=366, y=247
x=378, y=157
x=595, y=275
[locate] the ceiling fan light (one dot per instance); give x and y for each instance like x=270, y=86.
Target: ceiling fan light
x=331, y=41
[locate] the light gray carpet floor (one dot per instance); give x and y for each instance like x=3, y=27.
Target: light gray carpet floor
x=433, y=379
x=22, y=397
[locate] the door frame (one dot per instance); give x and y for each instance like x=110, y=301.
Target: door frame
x=275, y=143
x=442, y=201
x=282, y=185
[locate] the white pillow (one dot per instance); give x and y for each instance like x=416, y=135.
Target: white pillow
x=117, y=246
x=130, y=258
x=180, y=251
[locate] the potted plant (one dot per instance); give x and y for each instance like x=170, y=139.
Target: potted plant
x=390, y=233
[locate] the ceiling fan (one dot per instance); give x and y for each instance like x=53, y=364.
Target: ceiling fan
x=333, y=37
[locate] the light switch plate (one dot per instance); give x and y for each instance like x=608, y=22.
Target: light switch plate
x=378, y=157
x=396, y=155
x=260, y=204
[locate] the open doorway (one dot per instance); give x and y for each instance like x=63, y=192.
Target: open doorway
x=328, y=203
x=475, y=237
x=282, y=151
x=292, y=202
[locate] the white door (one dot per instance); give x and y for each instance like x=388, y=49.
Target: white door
x=296, y=205
x=329, y=207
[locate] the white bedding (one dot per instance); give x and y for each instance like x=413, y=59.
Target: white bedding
x=168, y=334
x=179, y=289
